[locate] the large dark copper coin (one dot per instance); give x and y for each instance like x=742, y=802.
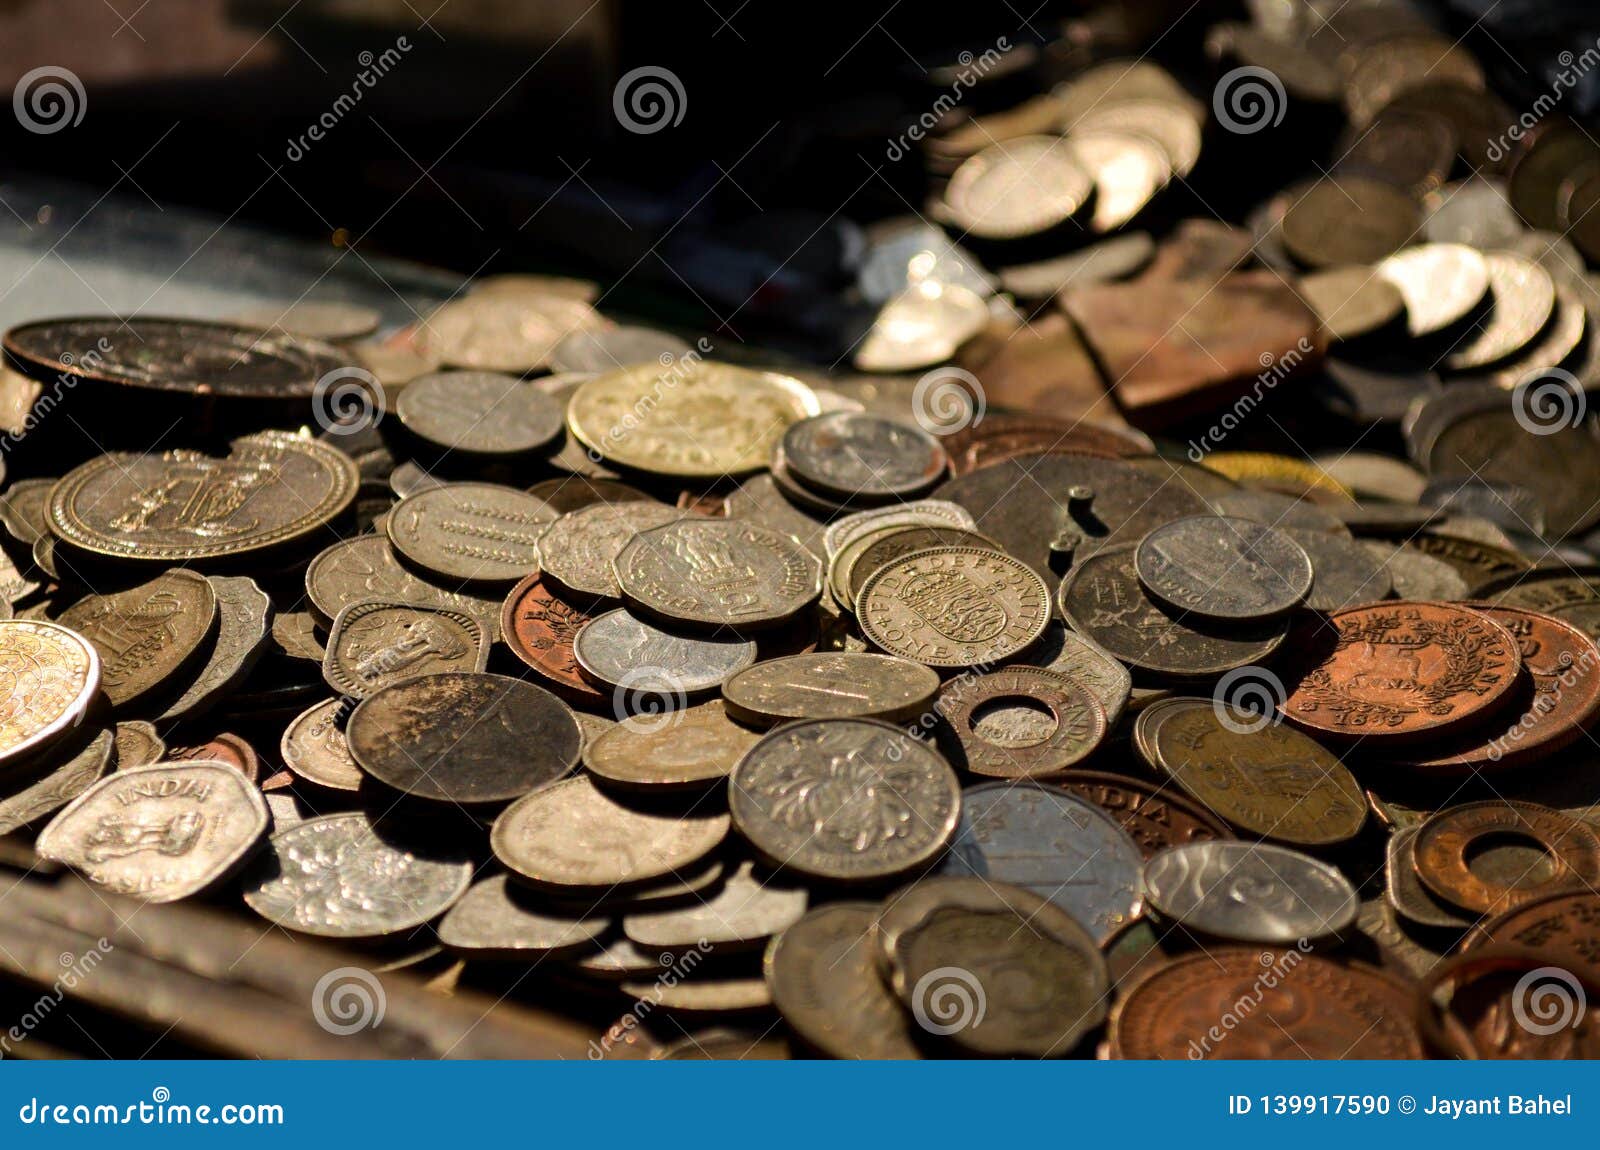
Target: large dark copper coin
x=147, y=634
x=541, y=628
x=272, y=488
x=1450, y=854
x=1565, y=925
x=464, y=738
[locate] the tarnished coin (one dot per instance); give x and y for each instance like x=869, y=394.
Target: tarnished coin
x=1453, y=860
x=1352, y=301
x=863, y=556
x=1328, y=1010
x=1348, y=220
x=510, y=332
x=1085, y=662
x=314, y=748
x=1224, y=568
x=366, y=568
x=495, y=919
x=138, y=744
x=571, y=834
x=856, y=455
x=1155, y=816
x=844, y=799
x=373, y=644
x=687, y=748
x=342, y=876
x=48, y=676
x=717, y=573
x=272, y=488
x=631, y=655
x=918, y=512
x=697, y=420
x=1345, y=573
x=24, y=509
x=159, y=833
x=464, y=738
x=830, y=685
x=477, y=532
x=1062, y=722
x=1022, y=187
x=540, y=628
x=1250, y=892
x=1441, y=284
x=1049, y=841
x=596, y=349
x=1400, y=670
x=993, y=969
x=954, y=606
x=331, y=320
x=480, y=413
x=1263, y=778
x=1524, y=298
x=31, y=796
x=1103, y=599
x=1114, y=258
x=823, y=974
x=750, y=908
x=1405, y=891
x=1415, y=575
x=147, y=634
x=1564, y=925
x=571, y=492
x=294, y=635
x=223, y=748
x=577, y=551
x=243, y=615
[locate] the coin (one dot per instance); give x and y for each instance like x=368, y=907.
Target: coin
x=332, y=320
x=830, y=685
x=159, y=833
x=344, y=876
x=688, y=748
x=1351, y=302
x=923, y=325
x=314, y=748
x=1250, y=892
x=1116, y=257
x=697, y=420
x=470, y=531
x=503, y=332
x=1103, y=599
x=749, y=909
x=577, y=551
x=624, y=652
x=461, y=737
x=28, y=799
x=1441, y=284
x=1224, y=568
x=496, y=920
x=1085, y=662
x=1406, y=893
x=862, y=557
x=243, y=615
x=918, y=512
x=954, y=606
x=1327, y=1009
x=844, y=799
x=540, y=629
x=1265, y=779
x=272, y=488
x=855, y=455
x=1049, y=841
x=1415, y=575
x=373, y=644
x=1025, y=186
x=1155, y=817
x=994, y=969
x=48, y=676
x=571, y=492
x=822, y=971
x=223, y=748
x=24, y=509
x=1070, y=722
x=366, y=568
x=1345, y=572
x=1524, y=299
x=147, y=634
x=571, y=834
x=1450, y=846
x=1128, y=169
x=1563, y=924
x=1400, y=670
x=138, y=744
x=480, y=413
x=1348, y=220
x=294, y=636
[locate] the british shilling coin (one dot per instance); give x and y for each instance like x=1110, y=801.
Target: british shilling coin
x=472, y=532
x=480, y=413
x=1250, y=892
x=718, y=573
x=830, y=685
x=159, y=833
x=577, y=551
x=48, y=676
x=373, y=644
x=148, y=633
x=844, y=799
x=1223, y=568
x=629, y=654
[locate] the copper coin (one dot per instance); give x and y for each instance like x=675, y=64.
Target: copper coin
x=225, y=748
x=1565, y=925
x=540, y=629
x=1309, y=1007
x=1349, y=220
x=1508, y=1002
x=1155, y=817
x=147, y=634
x=1448, y=845
x=1400, y=670
x=1072, y=721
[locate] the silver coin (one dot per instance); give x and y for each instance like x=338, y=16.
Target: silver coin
x=749, y=909
x=937, y=512
x=856, y=455
x=480, y=413
x=718, y=573
x=244, y=615
x=1223, y=568
x=1047, y=840
x=496, y=920
x=577, y=551
x=339, y=876
x=1250, y=892
x=159, y=833
x=1415, y=575
x=475, y=532
x=627, y=653
x=831, y=685
x=1345, y=572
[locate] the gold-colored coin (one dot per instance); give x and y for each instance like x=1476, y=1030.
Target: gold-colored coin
x=48, y=675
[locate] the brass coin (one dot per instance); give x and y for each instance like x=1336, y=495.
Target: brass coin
x=48, y=676
x=366, y=568
x=830, y=685
x=1073, y=723
x=373, y=644
x=314, y=748
x=689, y=748
x=578, y=551
x=503, y=332
x=30, y=797
x=714, y=573
x=480, y=413
x=472, y=532
x=146, y=634
x=1349, y=220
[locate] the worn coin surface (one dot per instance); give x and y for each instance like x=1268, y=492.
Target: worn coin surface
x=49, y=674
x=844, y=799
x=918, y=512
x=480, y=413
x=621, y=651
x=373, y=644
x=138, y=744
x=1524, y=298
x=1348, y=220
x=342, y=876
x=495, y=919
x=1345, y=573
x=244, y=612
x=823, y=974
x=366, y=568
x=1451, y=861
x=272, y=488
x=686, y=748
x=460, y=737
x=33, y=796
x=147, y=634
x=503, y=332
x=1156, y=816
x=1053, y=843
x=1224, y=568
x=1086, y=662
x=1070, y=722
x=159, y=833
x=830, y=685
x=954, y=606
x=1405, y=891
x=572, y=834
x=540, y=628
x=718, y=573
x=477, y=532
x=332, y=320
x=749, y=908
x=1250, y=892
x=577, y=551
x=1021, y=187
x=1441, y=284
x=313, y=747
x=855, y=455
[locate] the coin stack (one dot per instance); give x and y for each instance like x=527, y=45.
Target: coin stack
x=1058, y=702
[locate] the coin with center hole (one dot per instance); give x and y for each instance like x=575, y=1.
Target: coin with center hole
x=1073, y=723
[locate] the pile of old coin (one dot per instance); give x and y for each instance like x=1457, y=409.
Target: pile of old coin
x=1074, y=699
